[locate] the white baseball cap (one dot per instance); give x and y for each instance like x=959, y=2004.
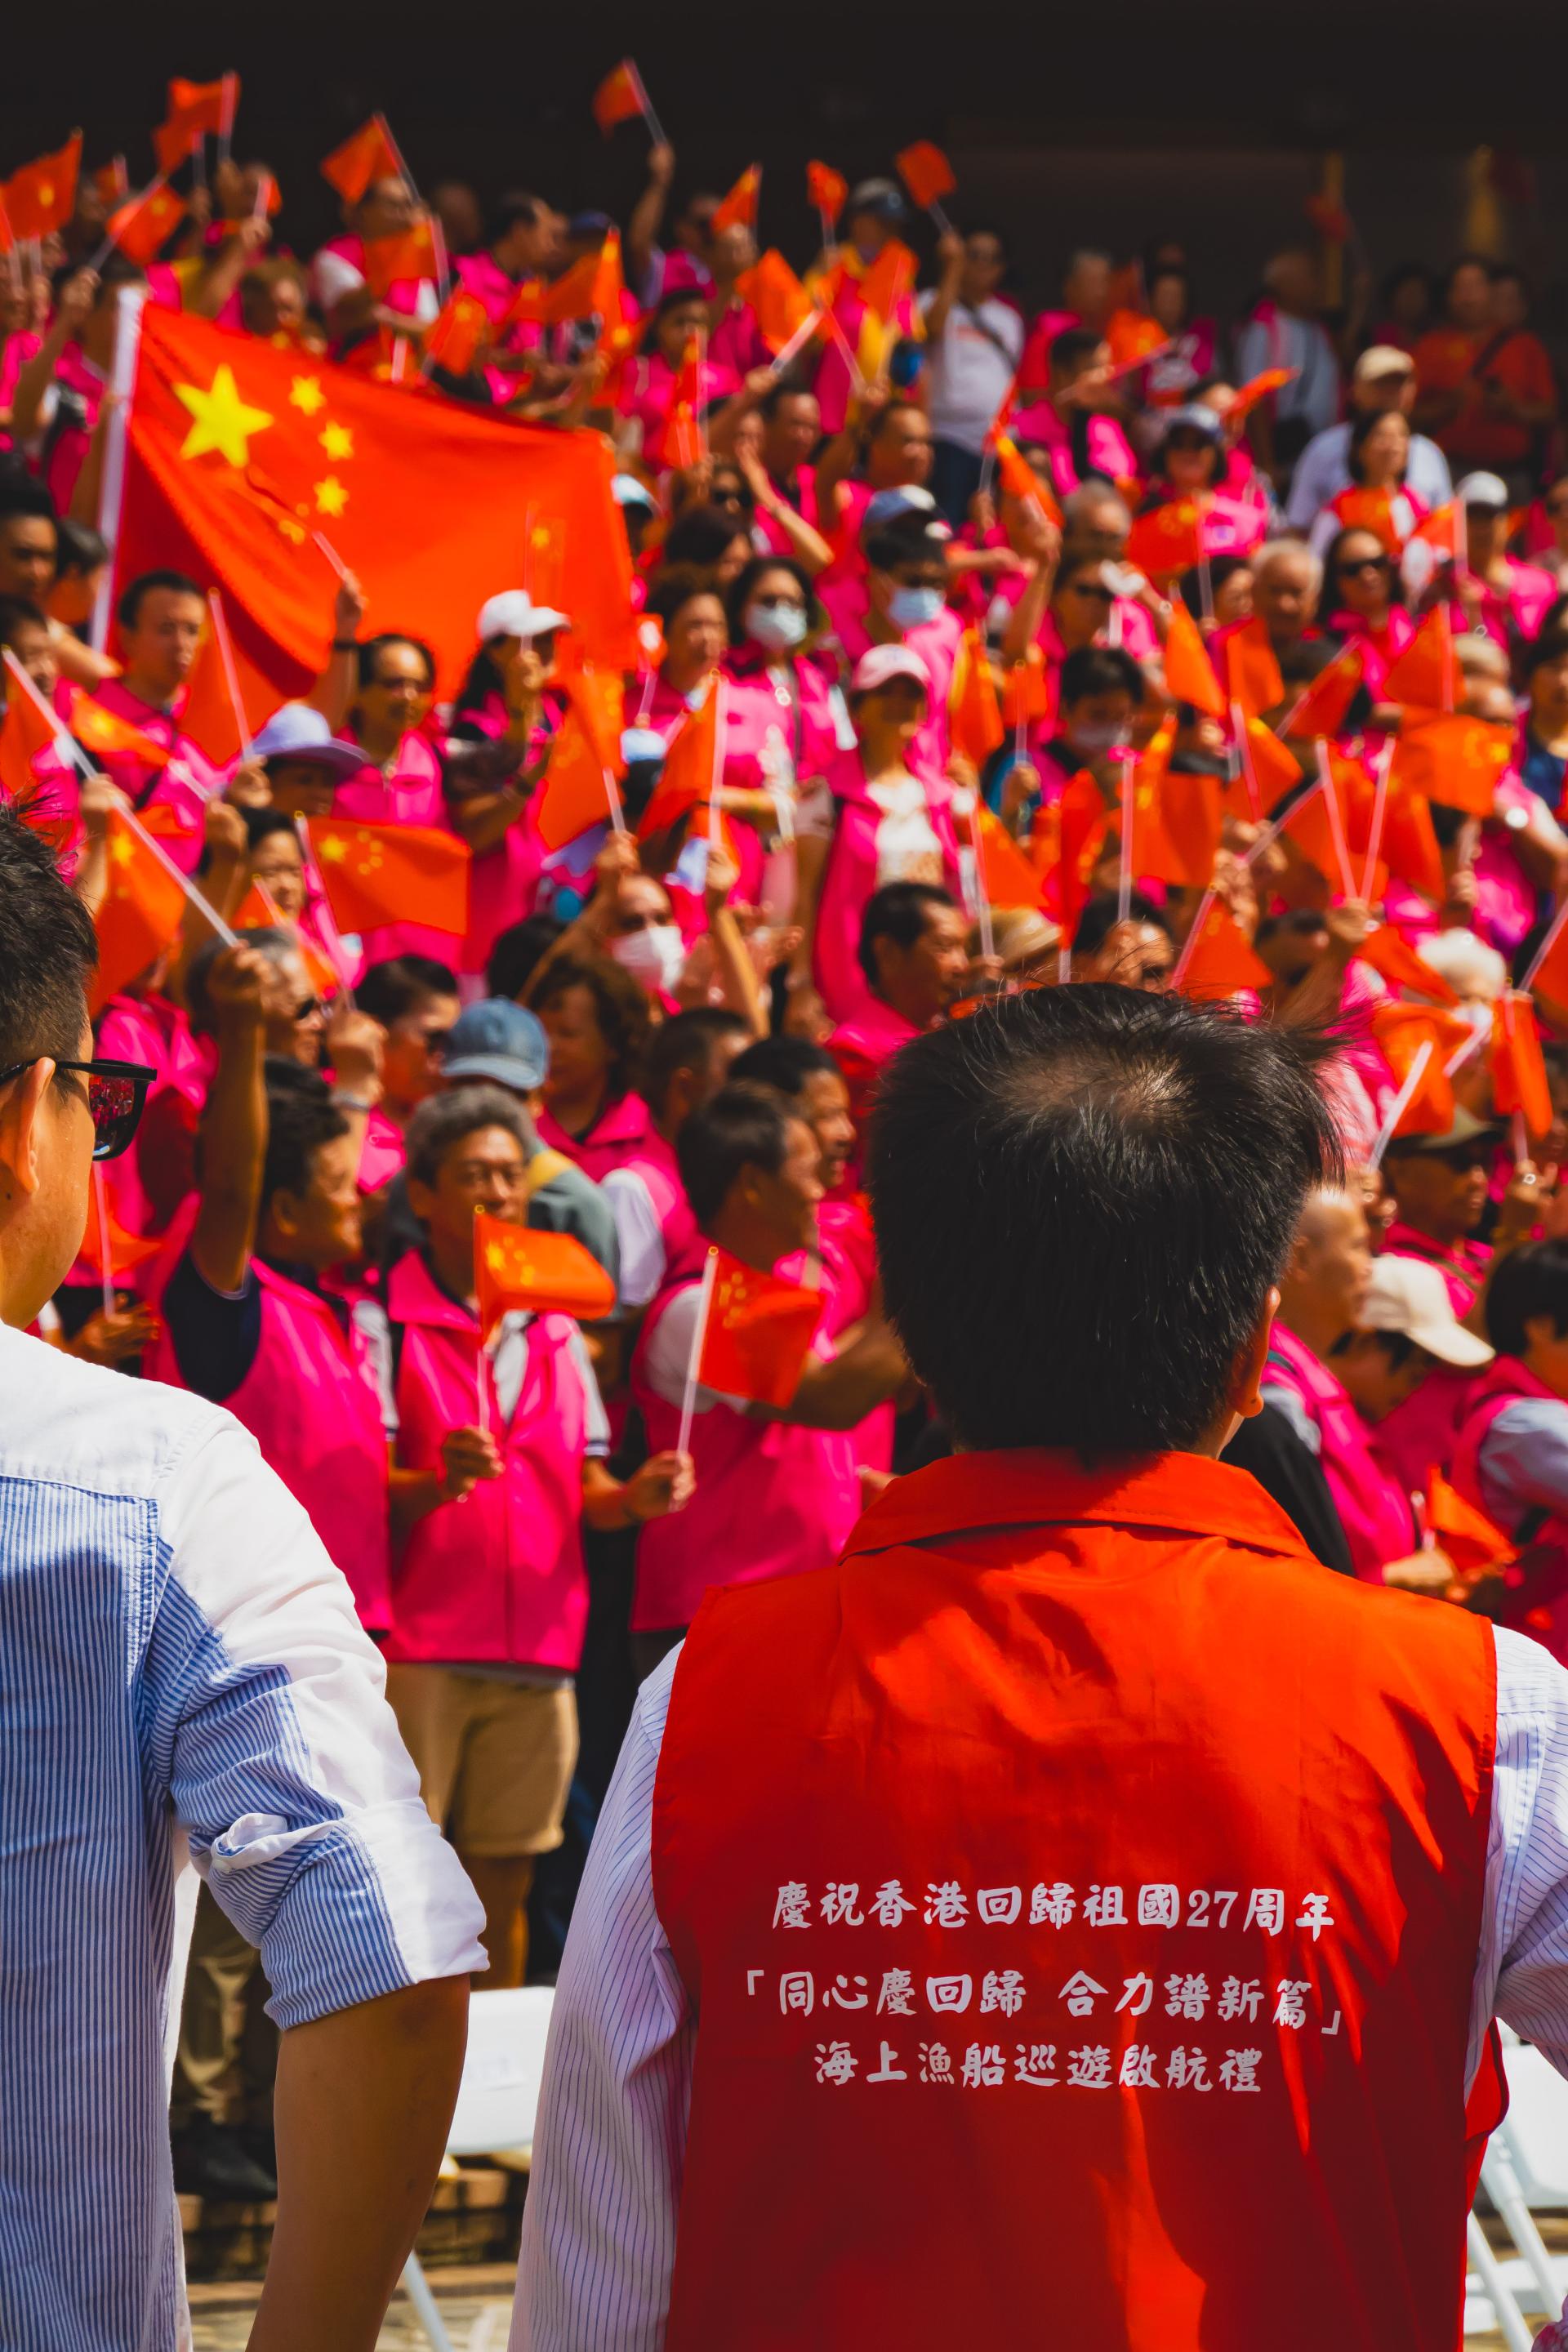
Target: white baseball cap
x=514, y=613
x=1382, y=359
x=1483, y=490
x=1406, y=1295
x=879, y=665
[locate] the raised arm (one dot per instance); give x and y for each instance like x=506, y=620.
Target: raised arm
x=233, y=1128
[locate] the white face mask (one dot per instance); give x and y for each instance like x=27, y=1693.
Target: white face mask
x=655, y=958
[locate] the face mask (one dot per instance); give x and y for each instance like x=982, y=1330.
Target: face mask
x=910, y=608
x=641, y=743
x=655, y=958
x=1096, y=737
x=777, y=628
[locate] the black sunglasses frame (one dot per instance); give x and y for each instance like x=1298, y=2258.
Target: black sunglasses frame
x=108, y=1144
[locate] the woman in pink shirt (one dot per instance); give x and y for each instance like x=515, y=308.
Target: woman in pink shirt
x=1170, y=376
x=780, y=735
x=1361, y=598
x=1506, y=600
x=691, y=614
x=647, y=394
x=1375, y=498
x=503, y=721
x=1189, y=468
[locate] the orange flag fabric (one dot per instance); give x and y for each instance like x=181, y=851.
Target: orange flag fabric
x=366, y=155
x=456, y=331
x=576, y=794
x=140, y=911
x=690, y=766
x=926, y=172
x=1518, y=1072
x=1452, y=759
x=1006, y=875
x=758, y=1334
x=517, y=1269
x=1551, y=979
x=825, y=189
x=1191, y=818
x=103, y=732
x=139, y=228
x=1401, y=1031
x=1393, y=958
x=739, y=208
x=781, y=302
x=237, y=451
x=974, y=716
x=195, y=108
x=41, y=196
x=1166, y=541
x=125, y=1250
x=375, y=874
x=209, y=716
x=25, y=732
x=1246, y=397
x=1276, y=768
x=1189, y=673
x=1321, y=709
x=1222, y=961
x=1019, y=479
x=619, y=97
x=1085, y=822
x=112, y=182
x=410, y=255
x=1427, y=671
x=682, y=440
x=1251, y=671
x=1026, y=690
x=1472, y=1540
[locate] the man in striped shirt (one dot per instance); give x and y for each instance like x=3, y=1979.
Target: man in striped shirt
x=180, y=1664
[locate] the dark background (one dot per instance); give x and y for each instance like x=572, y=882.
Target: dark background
x=1069, y=123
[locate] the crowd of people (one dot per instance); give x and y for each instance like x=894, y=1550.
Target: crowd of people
x=996, y=613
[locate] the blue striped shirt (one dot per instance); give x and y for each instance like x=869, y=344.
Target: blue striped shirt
x=180, y=1664
x=598, y=2228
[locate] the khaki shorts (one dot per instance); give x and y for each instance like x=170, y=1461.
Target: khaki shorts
x=495, y=1758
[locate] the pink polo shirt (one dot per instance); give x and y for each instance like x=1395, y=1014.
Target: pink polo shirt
x=185, y=784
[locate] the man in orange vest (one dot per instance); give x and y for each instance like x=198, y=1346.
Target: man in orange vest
x=1076, y=1918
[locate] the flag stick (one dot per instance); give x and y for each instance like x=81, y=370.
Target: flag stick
x=1206, y=580
x=67, y=744
x=1336, y=822
x=228, y=103
x=337, y=955
x=861, y=386
x=715, y=839
x=1466, y=1053
x=1378, y=808
x=397, y=367
x=1544, y=949
x=802, y=334
x=1271, y=832
x=704, y=1305
x=1243, y=749
x=942, y=218
x=827, y=228
x=1190, y=944
x=198, y=159
x=655, y=128
x=331, y=552
x=259, y=209
x=982, y=893
x=1401, y=1102
x=1124, y=877
x=230, y=673
x=1521, y=1140
x=105, y=1251
x=613, y=794
x=112, y=239
x=111, y=491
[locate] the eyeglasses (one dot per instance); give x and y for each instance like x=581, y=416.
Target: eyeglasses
x=1353, y=564
x=116, y=1092
x=307, y=1011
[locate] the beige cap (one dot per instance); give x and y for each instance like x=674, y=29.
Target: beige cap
x=1382, y=359
x=1409, y=1296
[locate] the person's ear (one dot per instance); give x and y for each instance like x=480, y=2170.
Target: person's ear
x=421, y=1200
x=21, y=1111
x=1245, y=1397
x=284, y=1210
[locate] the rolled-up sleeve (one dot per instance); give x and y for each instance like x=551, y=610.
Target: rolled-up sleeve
x=268, y=1702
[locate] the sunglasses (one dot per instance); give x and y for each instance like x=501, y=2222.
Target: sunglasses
x=1348, y=570
x=116, y=1092
x=308, y=1010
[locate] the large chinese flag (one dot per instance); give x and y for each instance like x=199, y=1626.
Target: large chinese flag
x=237, y=452
x=758, y=1334
x=375, y=874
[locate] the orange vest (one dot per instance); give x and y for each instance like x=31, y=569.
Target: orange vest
x=1079, y=1892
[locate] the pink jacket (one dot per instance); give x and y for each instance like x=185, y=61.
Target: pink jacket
x=499, y=1576
x=185, y=785
x=149, y=1030
x=311, y=1401
x=791, y=722
x=407, y=791
x=850, y=877
x=1536, y=1603
x=1373, y=1511
x=795, y=1493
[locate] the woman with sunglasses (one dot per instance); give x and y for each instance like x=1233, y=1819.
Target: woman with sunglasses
x=1365, y=607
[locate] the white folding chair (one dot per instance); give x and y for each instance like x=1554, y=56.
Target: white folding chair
x=497, y=2102
x=1525, y=2172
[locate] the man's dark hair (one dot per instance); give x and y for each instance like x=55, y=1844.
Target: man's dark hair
x=369, y=652
x=1527, y=1283
x=1102, y=913
x=23, y=494
x=702, y=535
x=516, y=208
x=739, y=1127
x=300, y=1118
x=620, y=1008
x=1082, y=1196
x=1100, y=670
x=912, y=537
x=788, y=387
x=684, y=1042
x=899, y=911
x=1548, y=646
x=396, y=985
x=79, y=547
x=445, y=1118
x=48, y=948
x=261, y=823
x=518, y=953
x=675, y=584
x=269, y=939
x=144, y=583
x=19, y=611
x=1072, y=347
x=784, y=1063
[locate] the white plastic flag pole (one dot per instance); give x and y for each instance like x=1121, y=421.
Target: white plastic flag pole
x=105, y=1253
x=230, y=672
x=1397, y=1108
x=700, y=1332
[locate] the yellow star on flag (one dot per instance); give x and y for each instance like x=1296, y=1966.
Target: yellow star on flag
x=331, y=495
x=220, y=419
x=121, y=851
x=305, y=394
x=332, y=850
x=337, y=441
